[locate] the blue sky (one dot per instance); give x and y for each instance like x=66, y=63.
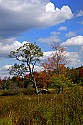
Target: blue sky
x=41, y=21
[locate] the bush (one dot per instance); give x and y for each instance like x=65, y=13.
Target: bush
x=8, y=93
x=18, y=91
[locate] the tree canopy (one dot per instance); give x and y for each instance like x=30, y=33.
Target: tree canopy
x=30, y=54
x=57, y=60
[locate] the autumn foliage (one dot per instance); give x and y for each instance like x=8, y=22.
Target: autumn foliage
x=43, y=79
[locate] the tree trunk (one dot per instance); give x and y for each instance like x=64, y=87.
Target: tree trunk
x=36, y=89
x=32, y=79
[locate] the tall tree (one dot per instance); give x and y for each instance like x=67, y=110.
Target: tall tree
x=28, y=53
x=56, y=64
x=57, y=60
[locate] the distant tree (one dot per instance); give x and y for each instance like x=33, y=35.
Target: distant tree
x=1, y=83
x=28, y=53
x=76, y=75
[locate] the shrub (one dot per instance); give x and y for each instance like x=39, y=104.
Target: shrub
x=18, y=91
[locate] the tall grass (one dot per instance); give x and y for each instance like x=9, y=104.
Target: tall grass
x=50, y=109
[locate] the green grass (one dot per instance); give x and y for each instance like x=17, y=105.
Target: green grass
x=47, y=109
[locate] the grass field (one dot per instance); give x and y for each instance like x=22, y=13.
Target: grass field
x=46, y=109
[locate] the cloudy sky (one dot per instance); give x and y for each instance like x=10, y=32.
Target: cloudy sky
x=41, y=21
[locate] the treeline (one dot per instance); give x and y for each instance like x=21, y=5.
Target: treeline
x=45, y=79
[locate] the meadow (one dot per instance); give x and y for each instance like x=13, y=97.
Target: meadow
x=47, y=109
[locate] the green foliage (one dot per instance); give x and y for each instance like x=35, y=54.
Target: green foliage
x=30, y=54
x=9, y=85
x=60, y=80
x=52, y=109
x=18, y=70
x=76, y=75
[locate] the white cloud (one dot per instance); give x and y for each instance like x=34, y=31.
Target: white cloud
x=7, y=45
x=5, y=68
x=4, y=71
x=56, y=17
x=75, y=61
x=21, y=15
x=46, y=55
x=50, y=7
x=74, y=41
x=80, y=13
x=50, y=39
x=70, y=34
x=63, y=28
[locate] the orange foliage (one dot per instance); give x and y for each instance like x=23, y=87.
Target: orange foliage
x=43, y=79
x=62, y=69
x=50, y=66
x=56, y=62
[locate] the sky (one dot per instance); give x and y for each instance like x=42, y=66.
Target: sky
x=41, y=21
